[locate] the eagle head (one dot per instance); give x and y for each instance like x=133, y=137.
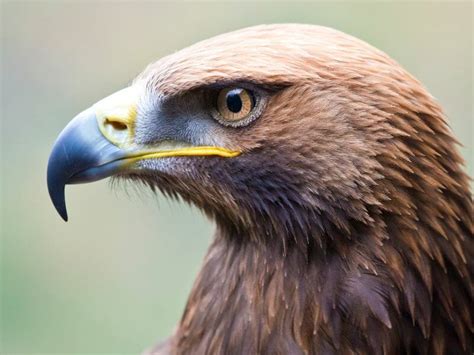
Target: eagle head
x=261, y=124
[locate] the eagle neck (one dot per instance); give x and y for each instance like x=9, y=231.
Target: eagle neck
x=251, y=297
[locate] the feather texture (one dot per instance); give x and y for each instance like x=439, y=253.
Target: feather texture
x=346, y=225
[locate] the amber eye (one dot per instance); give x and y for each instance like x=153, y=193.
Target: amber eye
x=235, y=104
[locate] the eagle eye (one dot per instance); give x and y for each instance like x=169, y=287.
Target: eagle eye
x=236, y=106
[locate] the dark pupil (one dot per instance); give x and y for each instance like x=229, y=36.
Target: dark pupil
x=233, y=100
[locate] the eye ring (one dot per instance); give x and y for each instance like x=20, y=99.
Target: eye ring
x=237, y=106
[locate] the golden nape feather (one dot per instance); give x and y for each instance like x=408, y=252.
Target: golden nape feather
x=343, y=212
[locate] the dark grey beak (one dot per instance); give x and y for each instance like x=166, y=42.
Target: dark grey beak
x=80, y=154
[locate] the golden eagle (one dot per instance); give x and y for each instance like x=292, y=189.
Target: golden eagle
x=343, y=214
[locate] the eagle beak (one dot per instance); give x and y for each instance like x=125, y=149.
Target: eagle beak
x=99, y=143
x=82, y=153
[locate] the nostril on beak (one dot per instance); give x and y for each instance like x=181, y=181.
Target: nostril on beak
x=119, y=126
x=116, y=130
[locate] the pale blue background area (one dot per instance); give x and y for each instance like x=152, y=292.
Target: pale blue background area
x=115, y=278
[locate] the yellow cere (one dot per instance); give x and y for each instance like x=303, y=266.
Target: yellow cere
x=116, y=116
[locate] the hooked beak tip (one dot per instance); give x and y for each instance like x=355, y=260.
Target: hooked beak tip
x=58, y=198
x=56, y=187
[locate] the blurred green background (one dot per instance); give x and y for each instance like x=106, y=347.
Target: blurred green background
x=115, y=278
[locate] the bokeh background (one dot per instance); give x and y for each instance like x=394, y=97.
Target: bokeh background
x=115, y=278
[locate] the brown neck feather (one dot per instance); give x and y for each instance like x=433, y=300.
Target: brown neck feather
x=360, y=291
